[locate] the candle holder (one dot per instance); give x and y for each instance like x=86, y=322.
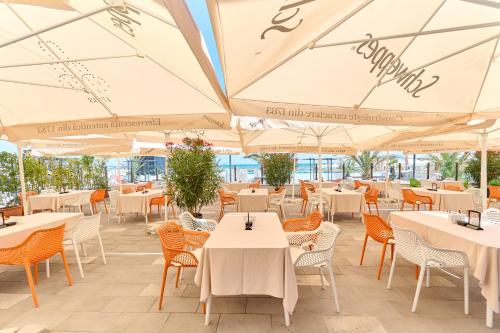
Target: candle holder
x=249, y=222
x=474, y=226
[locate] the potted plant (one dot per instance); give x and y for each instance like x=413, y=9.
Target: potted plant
x=415, y=182
x=195, y=175
x=277, y=168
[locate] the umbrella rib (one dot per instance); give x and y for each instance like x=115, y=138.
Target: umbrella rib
x=40, y=84
x=305, y=47
x=401, y=53
x=79, y=79
x=59, y=61
x=150, y=13
x=471, y=46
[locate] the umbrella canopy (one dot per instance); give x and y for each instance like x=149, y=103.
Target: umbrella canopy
x=361, y=61
x=93, y=66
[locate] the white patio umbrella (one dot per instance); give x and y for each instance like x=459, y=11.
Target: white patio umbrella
x=397, y=63
x=87, y=66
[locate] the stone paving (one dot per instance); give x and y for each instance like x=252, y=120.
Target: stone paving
x=122, y=296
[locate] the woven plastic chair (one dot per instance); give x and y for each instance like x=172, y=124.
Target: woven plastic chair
x=84, y=199
x=358, y=184
x=175, y=242
x=160, y=201
x=371, y=198
x=97, y=196
x=378, y=230
x=309, y=223
x=452, y=187
x=39, y=246
x=86, y=229
x=414, y=199
x=149, y=185
x=113, y=201
x=277, y=200
x=494, y=194
x=321, y=255
x=189, y=222
x=254, y=185
x=491, y=215
x=140, y=188
x=411, y=247
x=127, y=190
x=226, y=199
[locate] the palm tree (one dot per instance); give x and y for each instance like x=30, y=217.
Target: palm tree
x=365, y=160
x=445, y=162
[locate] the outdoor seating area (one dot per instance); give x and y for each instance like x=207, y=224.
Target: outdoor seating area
x=249, y=166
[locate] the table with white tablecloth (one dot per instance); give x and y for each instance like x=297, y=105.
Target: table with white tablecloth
x=347, y=201
x=441, y=183
x=136, y=202
x=132, y=186
x=235, y=261
x=52, y=201
x=248, y=201
x=26, y=225
x=448, y=200
x=482, y=247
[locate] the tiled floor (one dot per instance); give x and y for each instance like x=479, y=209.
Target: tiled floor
x=122, y=296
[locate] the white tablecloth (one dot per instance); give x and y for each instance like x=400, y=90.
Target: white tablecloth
x=236, y=187
x=253, y=202
x=52, y=200
x=481, y=247
x=132, y=186
x=136, y=202
x=12, y=236
x=441, y=183
x=379, y=185
x=448, y=200
x=346, y=201
x=235, y=261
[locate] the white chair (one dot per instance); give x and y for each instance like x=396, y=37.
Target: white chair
x=113, y=201
x=87, y=228
x=491, y=215
x=188, y=221
x=276, y=200
x=412, y=248
x=476, y=197
x=314, y=200
x=321, y=242
x=78, y=202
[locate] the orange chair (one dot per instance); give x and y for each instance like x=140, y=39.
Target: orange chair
x=226, y=199
x=254, y=185
x=414, y=199
x=379, y=231
x=494, y=194
x=371, y=198
x=96, y=197
x=451, y=187
x=39, y=246
x=127, y=190
x=160, y=201
x=304, y=188
x=358, y=184
x=175, y=242
x=140, y=188
x=149, y=185
x=278, y=191
x=309, y=223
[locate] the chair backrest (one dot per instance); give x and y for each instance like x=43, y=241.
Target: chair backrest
x=357, y=184
x=377, y=228
x=327, y=235
x=127, y=190
x=362, y=189
x=314, y=220
x=84, y=198
x=453, y=187
x=98, y=195
x=87, y=227
x=187, y=221
x=491, y=215
x=113, y=196
x=255, y=184
x=303, y=192
x=140, y=188
x=149, y=185
x=408, y=245
x=172, y=239
x=494, y=191
x=408, y=195
x=371, y=195
x=394, y=190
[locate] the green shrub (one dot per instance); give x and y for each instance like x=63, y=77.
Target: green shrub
x=415, y=182
x=495, y=182
x=277, y=168
x=473, y=168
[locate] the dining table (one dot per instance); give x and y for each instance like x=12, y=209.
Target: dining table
x=235, y=261
x=481, y=246
x=53, y=200
x=132, y=186
x=343, y=201
x=252, y=200
x=442, y=183
x=236, y=186
x=446, y=200
x=136, y=202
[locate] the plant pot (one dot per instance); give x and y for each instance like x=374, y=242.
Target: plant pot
x=198, y=215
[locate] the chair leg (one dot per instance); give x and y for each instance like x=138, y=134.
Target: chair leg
x=402, y=205
x=321, y=277
x=102, y=248
x=369, y=208
x=393, y=267
x=382, y=257
x=419, y=288
x=392, y=251
x=173, y=210
x=363, y=250
x=163, y=279
x=376, y=206
x=334, y=288
x=417, y=271
x=31, y=283
x=203, y=308
x=150, y=213
x=78, y=260
x=177, y=277
x=105, y=206
x=66, y=268
x=47, y=268
x=35, y=266
x=428, y=277
x=466, y=290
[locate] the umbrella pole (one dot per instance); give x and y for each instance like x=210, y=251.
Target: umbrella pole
x=119, y=178
x=293, y=178
x=166, y=184
x=387, y=175
x=484, y=169
x=21, y=179
x=320, y=172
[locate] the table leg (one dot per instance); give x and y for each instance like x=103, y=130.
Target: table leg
x=147, y=219
x=287, y=317
x=208, y=309
x=489, y=316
